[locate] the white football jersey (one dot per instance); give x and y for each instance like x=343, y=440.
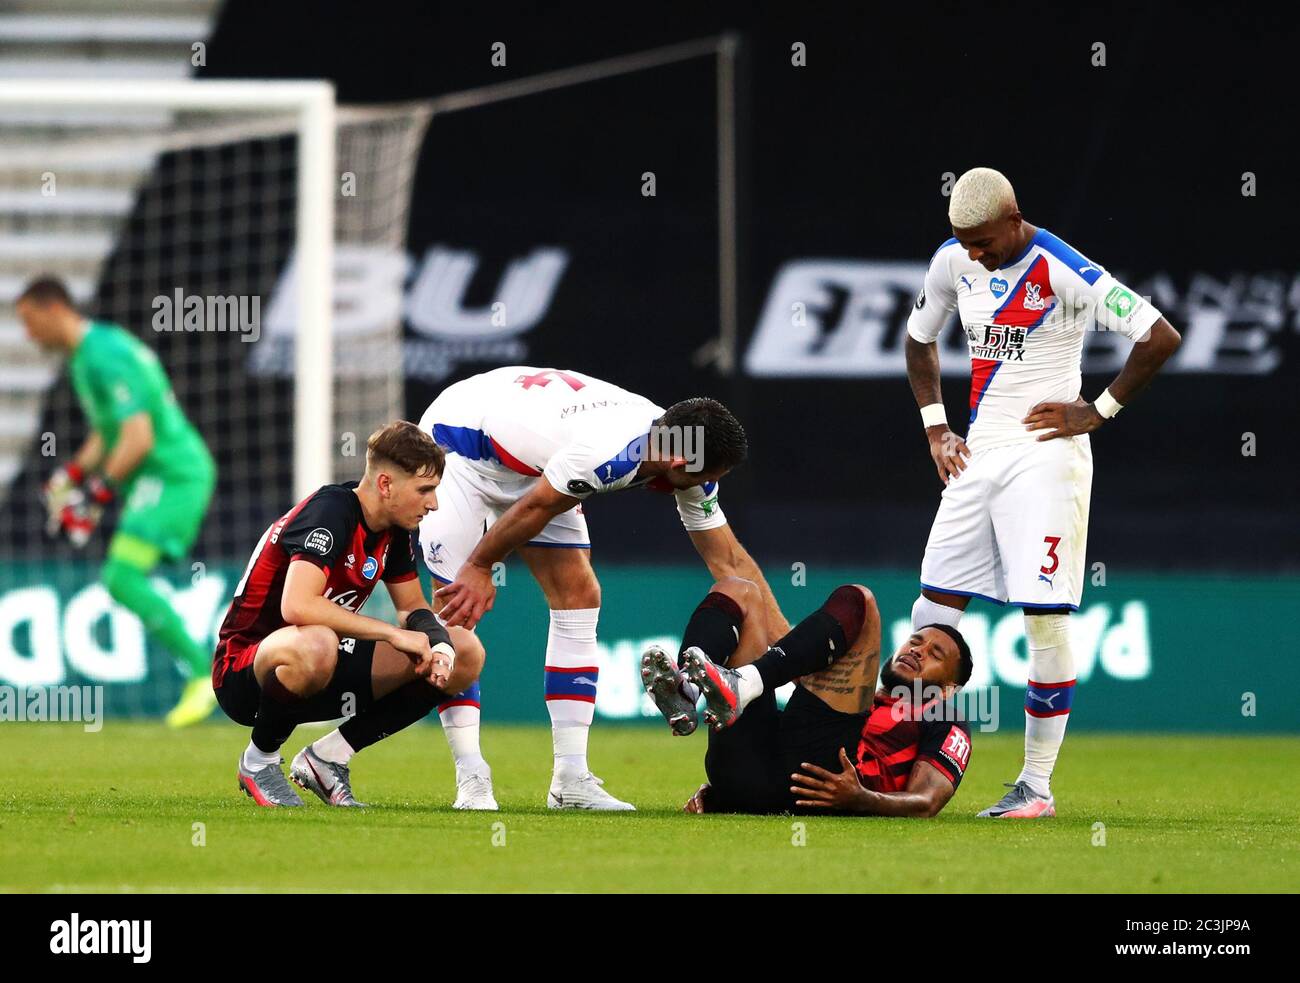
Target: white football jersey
x=581, y=434
x=1025, y=324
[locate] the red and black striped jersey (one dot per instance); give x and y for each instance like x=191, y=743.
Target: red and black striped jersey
x=326, y=528
x=898, y=734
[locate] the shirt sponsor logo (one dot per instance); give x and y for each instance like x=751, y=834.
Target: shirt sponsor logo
x=1120, y=302
x=580, y=487
x=349, y=600
x=369, y=568
x=998, y=285
x=957, y=747
x=1003, y=342
x=319, y=540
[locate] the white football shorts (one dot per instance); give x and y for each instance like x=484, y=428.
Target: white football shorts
x=1013, y=527
x=469, y=501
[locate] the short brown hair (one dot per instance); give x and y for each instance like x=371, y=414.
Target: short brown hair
x=404, y=444
x=45, y=290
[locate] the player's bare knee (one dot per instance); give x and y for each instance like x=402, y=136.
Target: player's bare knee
x=469, y=666
x=470, y=657
x=318, y=653
x=578, y=593
x=588, y=596
x=744, y=592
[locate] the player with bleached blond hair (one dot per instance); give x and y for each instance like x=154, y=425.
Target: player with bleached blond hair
x=1012, y=523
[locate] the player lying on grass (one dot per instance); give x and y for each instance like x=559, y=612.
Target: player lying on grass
x=841, y=745
x=140, y=449
x=294, y=649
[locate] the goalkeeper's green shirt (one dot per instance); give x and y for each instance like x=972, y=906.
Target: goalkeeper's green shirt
x=116, y=376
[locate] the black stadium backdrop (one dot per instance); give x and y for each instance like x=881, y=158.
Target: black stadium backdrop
x=1139, y=164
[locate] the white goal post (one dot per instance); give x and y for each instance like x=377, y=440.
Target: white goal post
x=311, y=103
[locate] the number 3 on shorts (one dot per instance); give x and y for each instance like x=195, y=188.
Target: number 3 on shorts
x=1052, y=542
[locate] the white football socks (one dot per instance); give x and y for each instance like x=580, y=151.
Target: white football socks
x=461, y=726
x=1047, y=699
x=255, y=759
x=928, y=612
x=570, y=741
x=751, y=685
x=334, y=748
x=572, y=668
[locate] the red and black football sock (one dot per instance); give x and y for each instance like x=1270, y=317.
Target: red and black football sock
x=714, y=628
x=817, y=641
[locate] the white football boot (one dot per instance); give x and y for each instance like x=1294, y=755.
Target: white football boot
x=474, y=791
x=584, y=793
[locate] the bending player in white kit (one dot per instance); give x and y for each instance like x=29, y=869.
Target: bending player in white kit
x=503, y=431
x=1012, y=524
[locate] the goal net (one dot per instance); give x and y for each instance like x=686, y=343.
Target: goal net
x=196, y=215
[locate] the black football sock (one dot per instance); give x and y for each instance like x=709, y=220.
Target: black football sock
x=714, y=628
x=817, y=641
x=400, y=708
x=276, y=715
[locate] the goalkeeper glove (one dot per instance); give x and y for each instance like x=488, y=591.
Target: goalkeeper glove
x=57, y=492
x=83, y=510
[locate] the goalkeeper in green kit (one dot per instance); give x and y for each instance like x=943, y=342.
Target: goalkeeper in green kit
x=141, y=450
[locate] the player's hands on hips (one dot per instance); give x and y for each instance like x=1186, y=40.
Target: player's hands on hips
x=1064, y=419
x=824, y=789
x=467, y=598
x=948, y=450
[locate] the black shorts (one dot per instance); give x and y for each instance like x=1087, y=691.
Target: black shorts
x=750, y=763
x=348, y=692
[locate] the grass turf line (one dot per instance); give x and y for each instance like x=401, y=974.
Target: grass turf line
x=115, y=811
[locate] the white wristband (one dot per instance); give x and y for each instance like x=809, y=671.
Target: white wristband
x=1107, y=405
x=449, y=652
x=933, y=415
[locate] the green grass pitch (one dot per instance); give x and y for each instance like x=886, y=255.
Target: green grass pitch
x=116, y=811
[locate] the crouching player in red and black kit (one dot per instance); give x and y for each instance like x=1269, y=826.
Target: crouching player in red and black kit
x=294, y=649
x=840, y=745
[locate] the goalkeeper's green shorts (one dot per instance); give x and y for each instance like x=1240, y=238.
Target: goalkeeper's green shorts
x=166, y=513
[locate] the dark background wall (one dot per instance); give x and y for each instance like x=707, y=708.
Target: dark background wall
x=1139, y=164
